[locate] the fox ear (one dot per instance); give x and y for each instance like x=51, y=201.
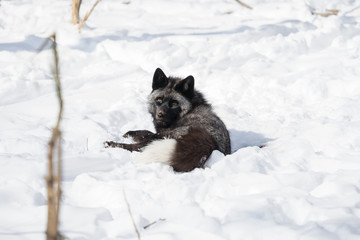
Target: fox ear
x=186, y=86
x=159, y=80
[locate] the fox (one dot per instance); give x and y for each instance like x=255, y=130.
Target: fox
x=187, y=129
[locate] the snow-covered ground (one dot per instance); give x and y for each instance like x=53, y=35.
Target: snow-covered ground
x=276, y=75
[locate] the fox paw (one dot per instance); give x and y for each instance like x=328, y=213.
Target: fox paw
x=129, y=134
x=108, y=144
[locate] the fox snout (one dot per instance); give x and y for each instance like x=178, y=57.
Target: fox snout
x=166, y=112
x=162, y=112
x=160, y=115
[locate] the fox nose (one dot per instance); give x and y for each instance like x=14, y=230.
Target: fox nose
x=160, y=114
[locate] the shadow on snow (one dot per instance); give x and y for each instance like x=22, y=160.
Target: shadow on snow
x=241, y=139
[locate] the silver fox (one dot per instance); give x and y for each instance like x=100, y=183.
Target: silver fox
x=187, y=129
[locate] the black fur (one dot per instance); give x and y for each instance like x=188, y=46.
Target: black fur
x=192, y=150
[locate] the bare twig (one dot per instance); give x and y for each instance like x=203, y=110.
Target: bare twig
x=244, y=5
x=150, y=224
x=132, y=218
x=53, y=181
x=327, y=13
x=75, y=11
x=87, y=15
x=43, y=45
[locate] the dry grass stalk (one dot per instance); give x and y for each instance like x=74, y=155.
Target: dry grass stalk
x=327, y=13
x=132, y=218
x=75, y=11
x=53, y=179
x=244, y=5
x=87, y=15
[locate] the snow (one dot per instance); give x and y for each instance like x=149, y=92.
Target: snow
x=276, y=75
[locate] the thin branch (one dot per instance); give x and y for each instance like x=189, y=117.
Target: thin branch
x=132, y=218
x=150, y=224
x=53, y=181
x=244, y=5
x=81, y=24
x=327, y=13
x=58, y=179
x=75, y=11
x=43, y=45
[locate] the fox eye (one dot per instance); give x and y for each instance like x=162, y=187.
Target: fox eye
x=173, y=104
x=159, y=100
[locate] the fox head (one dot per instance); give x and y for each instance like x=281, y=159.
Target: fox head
x=170, y=99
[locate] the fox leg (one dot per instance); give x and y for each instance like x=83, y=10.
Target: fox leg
x=140, y=136
x=130, y=147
